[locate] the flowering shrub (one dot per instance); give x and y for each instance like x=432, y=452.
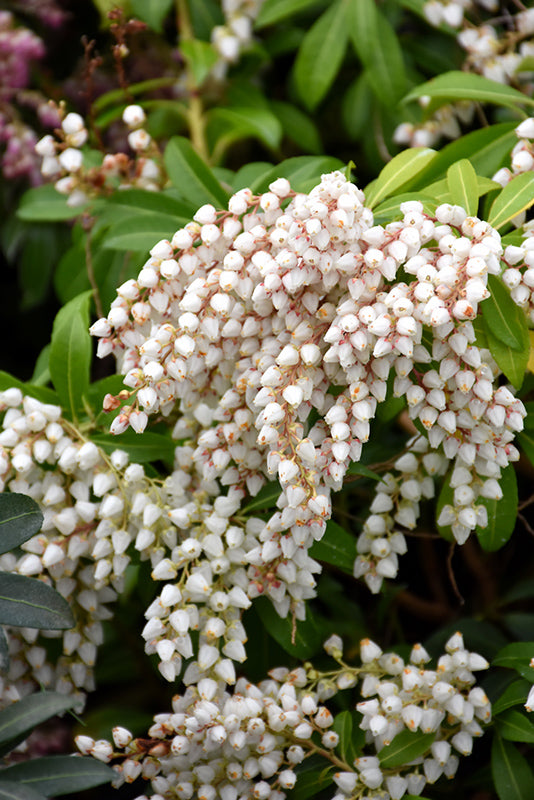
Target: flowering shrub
x=288, y=507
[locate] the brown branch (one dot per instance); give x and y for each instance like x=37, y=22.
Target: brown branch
x=485, y=581
x=450, y=572
x=425, y=609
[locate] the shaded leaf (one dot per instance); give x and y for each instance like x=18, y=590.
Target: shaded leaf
x=20, y=519
x=191, y=176
x=70, y=353
x=45, y=204
x=503, y=317
x=265, y=499
x=511, y=361
x=153, y=12
x=406, y=746
x=9, y=790
x=244, y=122
x=297, y=126
x=514, y=695
x=200, y=58
x=518, y=656
x=303, y=172
x=30, y=603
x=24, y=715
x=4, y=651
x=512, y=775
x=142, y=232
x=502, y=513
x=148, y=446
x=42, y=393
x=275, y=10
x=458, y=85
x=337, y=547
x=515, y=727
x=57, y=775
x=306, y=634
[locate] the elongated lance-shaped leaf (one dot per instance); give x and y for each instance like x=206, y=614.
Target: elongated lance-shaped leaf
x=29, y=603
x=512, y=775
x=275, y=10
x=397, y=173
x=463, y=185
x=457, y=85
x=404, y=748
x=502, y=514
x=57, y=775
x=515, y=727
x=193, y=179
x=22, y=716
x=504, y=319
x=514, y=695
x=518, y=656
x=70, y=353
x=336, y=547
x=517, y=196
x=20, y=519
x=511, y=361
x=9, y=790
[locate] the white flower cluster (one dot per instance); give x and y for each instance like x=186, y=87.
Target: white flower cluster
x=236, y=34
x=63, y=161
x=217, y=744
x=497, y=55
x=522, y=160
x=246, y=318
x=94, y=506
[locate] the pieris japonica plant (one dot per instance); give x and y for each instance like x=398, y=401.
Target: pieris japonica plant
x=281, y=436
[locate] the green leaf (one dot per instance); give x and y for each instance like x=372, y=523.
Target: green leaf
x=57, y=775
x=191, y=176
x=200, y=58
x=142, y=232
x=265, y=499
x=357, y=105
x=153, y=12
x=463, y=185
x=502, y=514
x=389, y=209
x=297, y=126
x=525, y=439
x=348, y=746
x=378, y=49
x=123, y=204
x=514, y=695
x=41, y=372
x=70, y=353
x=512, y=775
x=517, y=196
x=515, y=727
x=440, y=189
x=512, y=362
x=20, y=519
x=307, y=636
x=518, y=656
x=45, y=204
x=244, y=122
x=321, y=53
x=30, y=603
x=9, y=790
x=502, y=316
x=141, y=448
x=38, y=257
x=275, y=10
x=337, y=547
x=457, y=85
x=311, y=782
x=24, y=715
x=250, y=173
x=397, y=173
x=404, y=748
x=42, y=393
x=303, y=172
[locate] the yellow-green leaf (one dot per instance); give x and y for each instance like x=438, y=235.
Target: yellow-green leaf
x=517, y=196
x=397, y=173
x=463, y=186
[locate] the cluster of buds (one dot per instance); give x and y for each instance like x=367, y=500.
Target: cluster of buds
x=63, y=160
x=236, y=34
x=249, y=743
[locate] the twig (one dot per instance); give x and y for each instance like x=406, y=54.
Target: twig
x=451, y=575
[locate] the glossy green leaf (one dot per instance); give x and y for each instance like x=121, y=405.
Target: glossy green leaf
x=122, y=205
x=302, y=639
x=9, y=790
x=153, y=12
x=200, y=58
x=142, y=232
x=379, y=50
x=337, y=547
x=311, y=783
x=463, y=185
x=404, y=748
x=502, y=514
x=250, y=173
x=141, y=448
x=512, y=775
x=457, y=85
x=30, y=603
x=440, y=190
x=243, y=122
x=303, y=172
x=517, y=196
x=511, y=361
x=24, y=715
x=357, y=105
x=42, y=393
x=45, y=204
x=265, y=499
x=41, y=371
x=525, y=439
x=344, y=726
x=57, y=775
x=321, y=53
x=514, y=695
x=515, y=727
x=189, y=174
x=276, y=10
x=397, y=173
x=389, y=209
x=20, y=519
x=70, y=353
x=518, y=656
x=297, y=126
x=502, y=316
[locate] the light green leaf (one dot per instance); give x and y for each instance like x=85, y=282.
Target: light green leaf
x=518, y=656
x=378, y=49
x=502, y=316
x=24, y=715
x=57, y=775
x=191, y=176
x=337, y=547
x=517, y=196
x=243, y=123
x=200, y=58
x=397, y=173
x=515, y=727
x=404, y=748
x=141, y=448
x=142, y=231
x=297, y=126
x=321, y=53
x=457, y=85
x=42, y=393
x=20, y=519
x=512, y=775
x=30, y=603
x=441, y=192
x=463, y=186
x=153, y=12
x=70, y=353
x=389, y=209
x=45, y=204
x=306, y=635
x=276, y=10
x=502, y=514
x=303, y=172
x=514, y=695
